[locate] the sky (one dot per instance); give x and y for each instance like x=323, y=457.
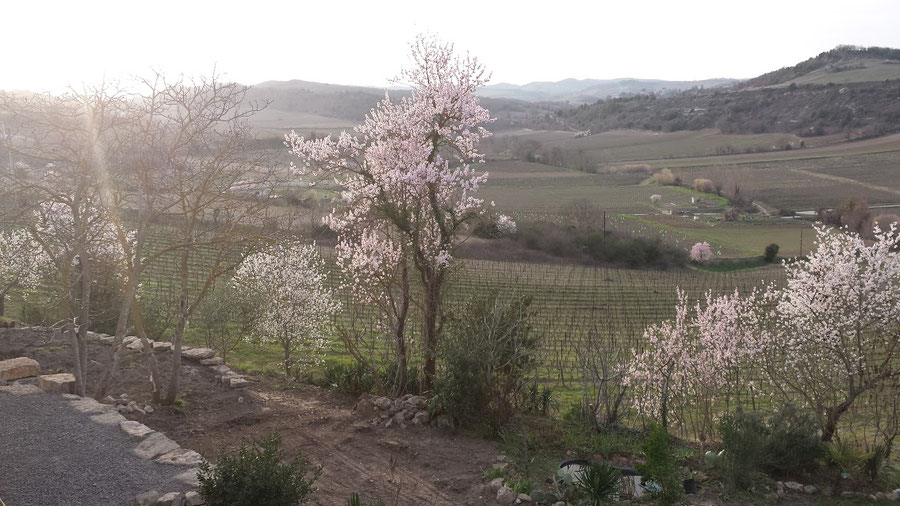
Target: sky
x=49, y=45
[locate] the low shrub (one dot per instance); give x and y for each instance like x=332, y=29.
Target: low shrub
x=487, y=351
x=744, y=438
x=661, y=467
x=786, y=443
x=666, y=177
x=793, y=442
x=704, y=185
x=357, y=378
x=256, y=475
x=355, y=500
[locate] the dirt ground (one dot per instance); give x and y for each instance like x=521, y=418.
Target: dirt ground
x=411, y=466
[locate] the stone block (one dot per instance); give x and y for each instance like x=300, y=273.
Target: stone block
x=18, y=368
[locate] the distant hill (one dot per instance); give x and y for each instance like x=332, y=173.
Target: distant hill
x=850, y=90
x=305, y=105
x=580, y=91
x=841, y=65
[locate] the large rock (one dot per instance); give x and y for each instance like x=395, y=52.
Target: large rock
x=147, y=498
x=130, y=339
x=189, y=477
x=155, y=445
x=212, y=361
x=506, y=495
x=180, y=457
x=192, y=498
x=170, y=499
x=134, y=429
x=793, y=485
x=111, y=418
x=90, y=406
x=107, y=340
x=495, y=485
x=18, y=368
x=162, y=346
x=135, y=346
x=238, y=382
x=63, y=383
x=198, y=354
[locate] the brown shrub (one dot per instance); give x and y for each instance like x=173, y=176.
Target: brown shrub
x=704, y=185
x=665, y=177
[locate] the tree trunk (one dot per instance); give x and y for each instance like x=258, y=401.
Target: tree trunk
x=155, y=380
x=833, y=414
x=184, y=314
x=2, y=303
x=121, y=327
x=178, y=339
x=76, y=358
x=287, y=357
x=401, y=378
x=430, y=332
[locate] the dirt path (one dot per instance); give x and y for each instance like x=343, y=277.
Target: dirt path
x=411, y=466
x=401, y=466
x=847, y=180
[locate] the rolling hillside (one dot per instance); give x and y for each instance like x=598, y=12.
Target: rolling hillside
x=580, y=91
x=841, y=65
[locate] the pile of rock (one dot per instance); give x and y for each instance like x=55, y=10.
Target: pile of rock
x=205, y=356
x=125, y=405
x=505, y=495
x=782, y=488
x=26, y=371
x=400, y=412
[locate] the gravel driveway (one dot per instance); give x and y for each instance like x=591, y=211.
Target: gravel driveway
x=54, y=455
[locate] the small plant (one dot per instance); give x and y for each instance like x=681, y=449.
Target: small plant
x=771, y=252
x=255, y=475
x=598, y=484
x=843, y=456
x=661, y=467
x=520, y=485
x=875, y=462
x=356, y=501
x=493, y=473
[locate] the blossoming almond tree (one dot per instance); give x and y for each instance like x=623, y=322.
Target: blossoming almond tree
x=21, y=262
x=698, y=360
x=838, y=322
x=406, y=175
x=290, y=277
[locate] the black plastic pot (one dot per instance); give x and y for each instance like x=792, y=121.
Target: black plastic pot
x=690, y=486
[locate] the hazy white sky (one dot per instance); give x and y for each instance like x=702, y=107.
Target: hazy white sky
x=47, y=45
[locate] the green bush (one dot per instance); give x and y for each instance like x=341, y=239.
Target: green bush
x=598, y=484
x=256, y=475
x=744, y=436
x=487, y=351
x=876, y=462
x=358, y=378
x=786, y=443
x=793, y=441
x=661, y=467
x=771, y=252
